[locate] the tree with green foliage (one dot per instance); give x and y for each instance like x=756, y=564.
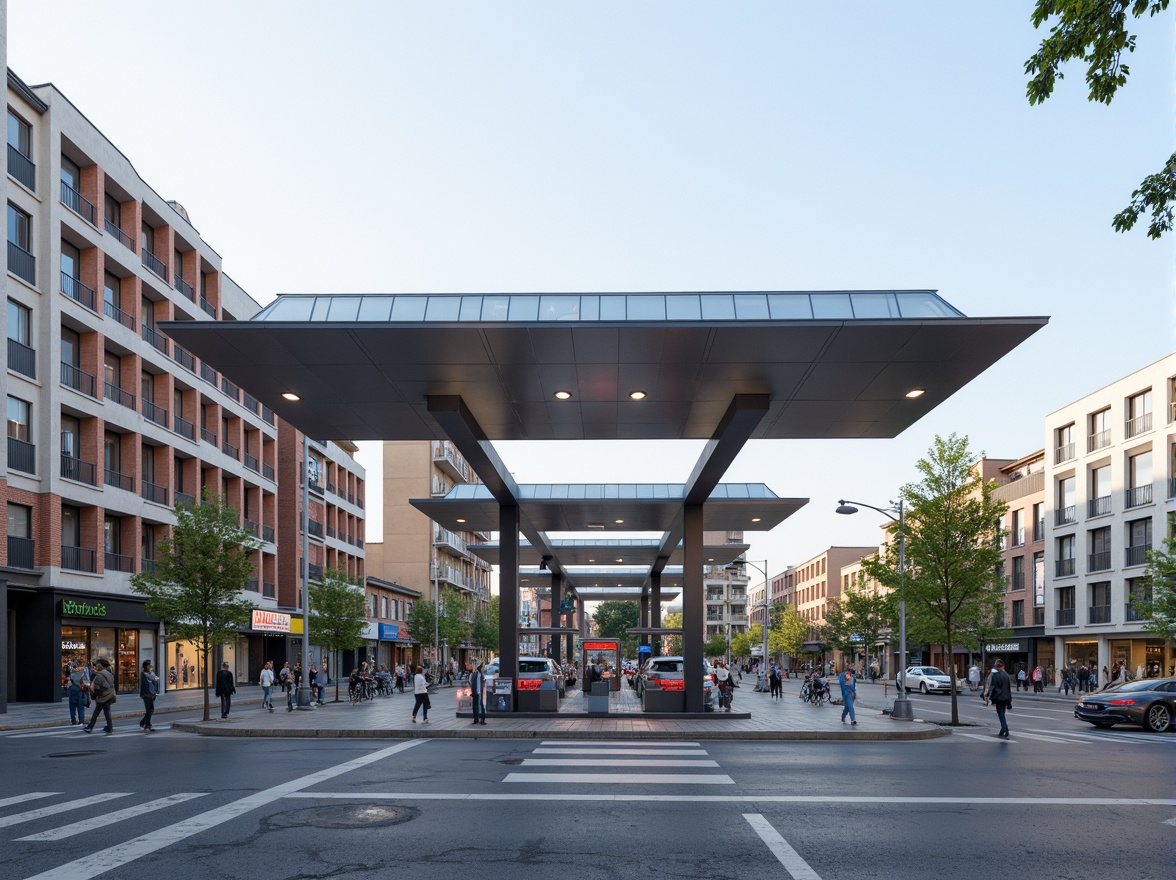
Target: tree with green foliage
x=1095, y=33
x=431, y=624
x=200, y=570
x=952, y=550
x=716, y=646
x=837, y=631
x=338, y=615
x=613, y=618
x=484, y=629
x=741, y=644
x=1157, y=606
x=671, y=645
x=789, y=631
x=868, y=612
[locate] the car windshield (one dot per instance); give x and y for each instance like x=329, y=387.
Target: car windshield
x=533, y=666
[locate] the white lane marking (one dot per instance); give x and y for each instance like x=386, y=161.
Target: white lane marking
x=736, y=799
x=1075, y=735
x=669, y=753
x=622, y=778
x=990, y=737
x=27, y=796
x=56, y=731
x=1140, y=737
x=110, y=818
x=1040, y=738
x=64, y=807
x=643, y=743
x=108, y=859
x=796, y=867
x=616, y=762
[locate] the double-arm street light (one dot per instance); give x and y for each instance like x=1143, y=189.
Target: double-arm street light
x=765, y=605
x=902, y=709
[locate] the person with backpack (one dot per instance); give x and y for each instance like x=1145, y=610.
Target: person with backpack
x=148, y=690
x=77, y=696
x=103, y=691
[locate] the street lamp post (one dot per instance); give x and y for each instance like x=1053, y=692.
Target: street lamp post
x=902, y=709
x=765, y=605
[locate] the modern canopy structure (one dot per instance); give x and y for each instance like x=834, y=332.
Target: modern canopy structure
x=727, y=367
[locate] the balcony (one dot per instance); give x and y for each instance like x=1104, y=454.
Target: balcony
x=78, y=203
x=183, y=427
x=231, y=451
x=209, y=308
x=22, y=359
x=154, y=338
x=1098, y=440
x=230, y=389
x=147, y=566
x=154, y=413
x=77, y=558
x=268, y=590
x=1131, y=614
x=75, y=290
x=22, y=168
x=1100, y=506
x=208, y=374
x=118, y=395
x=114, y=229
x=250, y=402
x=184, y=358
x=1065, y=515
x=1063, y=567
x=1064, y=617
x=208, y=436
x=184, y=287
x=183, y=499
x=1138, y=425
x=251, y=527
x=450, y=462
x=1136, y=555
x=1098, y=614
x=118, y=562
x=267, y=534
x=77, y=379
x=267, y=471
x=315, y=571
x=22, y=264
x=78, y=470
x=448, y=574
x=21, y=552
x=267, y=415
x=153, y=493
x=156, y=265
x=22, y=456
x=315, y=486
x=315, y=528
x=251, y=585
x=446, y=540
x=119, y=481
x=1099, y=561
x=113, y=311
x=251, y=462
x=1065, y=452
x=1137, y=496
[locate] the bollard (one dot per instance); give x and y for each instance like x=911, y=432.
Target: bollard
x=885, y=689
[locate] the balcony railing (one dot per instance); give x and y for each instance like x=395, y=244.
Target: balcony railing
x=315, y=486
x=1137, y=496
x=1065, y=515
x=22, y=456
x=1100, y=506
x=1098, y=440
x=1017, y=536
x=314, y=528
x=78, y=470
x=1136, y=555
x=251, y=585
x=267, y=415
x=251, y=462
x=1098, y=614
x=208, y=436
x=78, y=203
x=119, y=481
x=21, y=552
x=184, y=358
x=1063, y=567
x=1065, y=617
x=1099, y=561
x=332, y=533
x=156, y=265
x=22, y=359
x=147, y=565
x=267, y=534
x=184, y=287
x=77, y=558
x=208, y=307
x=153, y=493
x=22, y=264
x=316, y=572
x=1039, y=530
x=230, y=388
x=230, y=450
x=1138, y=425
x=22, y=168
x=445, y=456
x=267, y=471
x=154, y=338
x=77, y=379
x=184, y=499
x=118, y=562
x=1131, y=614
x=250, y=402
x=114, y=229
x=208, y=374
x=250, y=526
x=75, y=290
x=183, y=427
x=154, y=413
x=118, y=395
x=1065, y=452
x=113, y=311
x=268, y=590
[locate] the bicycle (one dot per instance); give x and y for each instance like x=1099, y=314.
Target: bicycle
x=809, y=694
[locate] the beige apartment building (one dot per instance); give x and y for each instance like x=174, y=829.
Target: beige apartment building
x=816, y=583
x=1022, y=488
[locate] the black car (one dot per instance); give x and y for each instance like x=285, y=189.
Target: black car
x=1149, y=702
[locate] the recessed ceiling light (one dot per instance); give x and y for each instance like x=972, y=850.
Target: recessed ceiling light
x=637, y=395
x=620, y=559
x=563, y=395
x=591, y=560
x=712, y=559
x=755, y=519
x=461, y=520
x=916, y=392
x=290, y=396
x=618, y=521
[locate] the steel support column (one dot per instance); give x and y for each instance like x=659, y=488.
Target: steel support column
x=693, y=606
x=508, y=592
x=655, y=608
x=556, y=600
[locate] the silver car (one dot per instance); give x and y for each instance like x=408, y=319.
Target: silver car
x=929, y=680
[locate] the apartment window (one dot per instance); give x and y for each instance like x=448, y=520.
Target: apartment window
x=147, y=238
x=1100, y=549
x=20, y=151
x=1139, y=413
x=1139, y=479
x=1139, y=597
x=1018, y=612
x=19, y=323
x=1039, y=521
x=71, y=175
x=19, y=417
x=148, y=467
x=1100, y=491
x=1064, y=443
x=20, y=521
x=1018, y=531
x=1139, y=541
x=1100, y=430
x=71, y=433
x=1065, y=512
x=111, y=537
x=71, y=526
x=1065, y=560
x=375, y=602
x=1064, y=603
x=112, y=291
x=19, y=228
x=71, y=261
x=1018, y=572
x=112, y=210
x=71, y=347
x=112, y=452
x=147, y=313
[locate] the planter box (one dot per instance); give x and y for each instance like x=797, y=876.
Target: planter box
x=538, y=701
x=657, y=700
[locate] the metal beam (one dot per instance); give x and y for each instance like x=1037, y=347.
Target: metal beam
x=508, y=592
x=693, y=608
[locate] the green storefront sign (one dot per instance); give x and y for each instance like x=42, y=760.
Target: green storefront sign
x=75, y=608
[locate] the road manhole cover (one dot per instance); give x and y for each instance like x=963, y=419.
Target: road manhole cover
x=511, y=761
x=358, y=816
x=73, y=754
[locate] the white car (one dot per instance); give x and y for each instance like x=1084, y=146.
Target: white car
x=929, y=680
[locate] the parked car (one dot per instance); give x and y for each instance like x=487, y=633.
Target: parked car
x=1148, y=702
x=929, y=680
x=659, y=669
x=543, y=668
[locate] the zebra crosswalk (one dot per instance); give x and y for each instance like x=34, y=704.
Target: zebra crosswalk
x=1074, y=737
x=602, y=762
x=76, y=732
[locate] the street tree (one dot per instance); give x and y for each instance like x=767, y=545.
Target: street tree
x=613, y=618
x=338, y=615
x=484, y=629
x=837, y=631
x=868, y=612
x=672, y=645
x=1095, y=33
x=952, y=550
x=716, y=646
x=788, y=633
x=200, y=570
x=741, y=644
x=1157, y=605
x=432, y=624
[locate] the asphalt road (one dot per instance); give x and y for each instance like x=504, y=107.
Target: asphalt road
x=1068, y=802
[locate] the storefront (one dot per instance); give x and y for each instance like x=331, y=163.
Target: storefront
x=1014, y=652
x=1143, y=656
x=394, y=649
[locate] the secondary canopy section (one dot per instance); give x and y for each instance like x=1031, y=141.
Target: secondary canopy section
x=834, y=364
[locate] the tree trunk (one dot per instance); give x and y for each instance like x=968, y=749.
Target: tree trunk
x=951, y=677
x=207, y=678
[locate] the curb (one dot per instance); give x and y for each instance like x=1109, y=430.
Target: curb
x=166, y=710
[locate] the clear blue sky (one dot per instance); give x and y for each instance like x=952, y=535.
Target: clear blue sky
x=545, y=146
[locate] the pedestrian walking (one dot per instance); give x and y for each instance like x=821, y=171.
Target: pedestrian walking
x=1022, y=678
x=477, y=694
x=1038, y=679
x=312, y=682
x=321, y=680
x=77, y=696
x=848, y=681
x=148, y=691
x=104, y=693
x=267, y=685
x=774, y=683
x=973, y=677
x=285, y=677
x=420, y=690
x=1083, y=678
x=225, y=688
x=1000, y=694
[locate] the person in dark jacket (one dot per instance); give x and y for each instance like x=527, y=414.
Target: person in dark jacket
x=477, y=694
x=225, y=688
x=148, y=690
x=1000, y=694
x=103, y=690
